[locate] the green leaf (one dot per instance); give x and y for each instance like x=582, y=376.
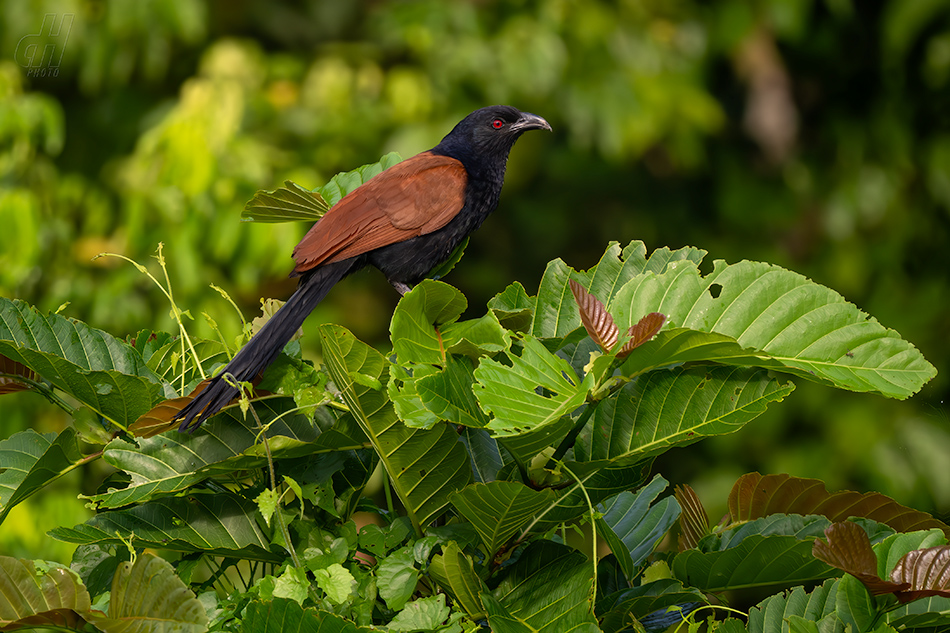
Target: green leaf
x=790, y=322
x=854, y=605
x=511, y=393
x=336, y=581
x=285, y=204
x=171, y=462
x=513, y=307
x=556, y=313
x=773, y=614
x=221, y=524
x=449, y=394
x=32, y=596
x=926, y=612
x=615, y=611
x=498, y=510
x=348, y=181
x=548, y=589
x=755, y=561
x=397, y=577
x=425, y=466
x=678, y=407
x=424, y=614
x=634, y=527
x=455, y=573
x=893, y=548
x=32, y=461
x=99, y=370
x=286, y=616
x=146, y=593
x=419, y=316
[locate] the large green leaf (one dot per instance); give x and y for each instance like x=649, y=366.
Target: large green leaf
x=424, y=465
x=223, y=524
x=94, y=367
x=772, y=615
x=548, y=589
x=677, y=407
x=755, y=561
x=511, y=392
x=454, y=572
x=498, y=510
x=147, y=597
x=31, y=461
x=173, y=461
x=635, y=524
x=31, y=596
x=616, y=610
x=283, y=615
x=556, y=312
x=786, y=320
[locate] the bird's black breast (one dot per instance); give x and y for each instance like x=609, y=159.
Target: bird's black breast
x=411, y=261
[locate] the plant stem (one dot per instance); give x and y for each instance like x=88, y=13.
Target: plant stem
x=571, y=437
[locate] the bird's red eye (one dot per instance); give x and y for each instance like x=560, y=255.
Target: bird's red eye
x=497, y=124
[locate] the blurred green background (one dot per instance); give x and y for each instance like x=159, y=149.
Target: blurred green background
x=814, y=134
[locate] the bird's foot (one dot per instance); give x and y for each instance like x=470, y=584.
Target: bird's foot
x=400, y=287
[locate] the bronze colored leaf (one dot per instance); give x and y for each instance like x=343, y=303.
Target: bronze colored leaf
x=754, y=496
x=645, y=329
x=597, y=321
x=694, y=522
x=849, y=549
x=8, y=370
x=926, y=572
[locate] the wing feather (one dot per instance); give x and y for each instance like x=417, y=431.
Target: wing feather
x=415, y=197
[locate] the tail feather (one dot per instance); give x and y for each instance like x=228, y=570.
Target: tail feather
x=264, y=347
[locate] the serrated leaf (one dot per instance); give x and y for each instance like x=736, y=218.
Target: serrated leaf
x=425, y=465
x=99, y=370
x=31, y=461
x=511, y=393
x=289, y=203
x=220, y=524
x=633, y=524
x=694, y=522
x=754, y=495
x=678, y=407
x=31, y=597
x=790, y=322
x=775, y=613
x=555, y=315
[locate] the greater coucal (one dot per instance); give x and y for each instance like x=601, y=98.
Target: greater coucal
x=405, y=221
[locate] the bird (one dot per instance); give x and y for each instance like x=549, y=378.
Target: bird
x=404, y=221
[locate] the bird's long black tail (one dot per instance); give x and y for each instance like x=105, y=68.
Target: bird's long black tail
x=264, y=347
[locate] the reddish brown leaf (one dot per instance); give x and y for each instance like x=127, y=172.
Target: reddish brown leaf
x=597, y=321
x=849, y=549
x=694, y=522
x=754, y=496
x=645, y=329
x=926, y=572
x=8, y=383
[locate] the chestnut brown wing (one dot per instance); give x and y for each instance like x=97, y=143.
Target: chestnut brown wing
x=417, y=196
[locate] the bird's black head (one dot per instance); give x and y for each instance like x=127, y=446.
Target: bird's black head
x=483, y=139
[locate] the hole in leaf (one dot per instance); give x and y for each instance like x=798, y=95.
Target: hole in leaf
x=715, y=290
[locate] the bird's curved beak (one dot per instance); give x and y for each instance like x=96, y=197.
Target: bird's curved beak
x=528, y=121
